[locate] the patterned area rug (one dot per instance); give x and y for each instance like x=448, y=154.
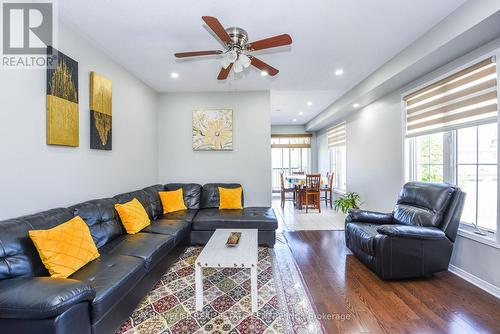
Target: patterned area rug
x=284, y=306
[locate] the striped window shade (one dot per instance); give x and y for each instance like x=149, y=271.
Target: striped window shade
x=465, y=98
x=337, y=136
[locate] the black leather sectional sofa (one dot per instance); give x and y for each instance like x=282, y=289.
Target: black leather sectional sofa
x=416, y=239
x=99, y=297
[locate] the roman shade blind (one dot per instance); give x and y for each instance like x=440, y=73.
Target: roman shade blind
x=467, y=97
x=301, y=140
x=337, y=135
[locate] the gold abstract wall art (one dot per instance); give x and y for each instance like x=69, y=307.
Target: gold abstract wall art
x=62, y=100
x=213, y=130
x=101, y=119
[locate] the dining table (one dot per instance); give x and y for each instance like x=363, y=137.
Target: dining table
x=298, y=182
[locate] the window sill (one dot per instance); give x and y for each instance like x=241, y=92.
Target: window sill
x=339, y=191
x=490, y=239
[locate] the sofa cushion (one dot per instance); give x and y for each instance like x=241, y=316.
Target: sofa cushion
x=148, y=246
x=65, y=248
x=261, y=218
x=101, y=217
x=133, y=216
x=18, y=255
x=210, y=194
x=41, y=297
x=112, y=276
x=186, y=215
x=412, y=215
x=190, y=191
x=423, y=203
x=179, y=229
x=154, y=199
x=141, y=196
x=363, y=236
x=172, y=201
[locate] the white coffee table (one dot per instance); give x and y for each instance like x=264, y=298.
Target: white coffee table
x=216, y=254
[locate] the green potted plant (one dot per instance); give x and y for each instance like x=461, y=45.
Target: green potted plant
x=347, y=201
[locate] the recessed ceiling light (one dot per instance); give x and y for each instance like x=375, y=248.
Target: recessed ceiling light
x=309, y=103
x=294, y=120
x=263, y=73
x=174, y=75
x=339, y=72
x=355, y=105
x=301, y=113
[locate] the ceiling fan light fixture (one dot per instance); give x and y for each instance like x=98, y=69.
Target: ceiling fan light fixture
x=244, y=60
x=225, y=63
x=231, y=56
x=238, y=67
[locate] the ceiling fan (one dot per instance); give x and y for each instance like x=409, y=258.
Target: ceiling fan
x=237, y=47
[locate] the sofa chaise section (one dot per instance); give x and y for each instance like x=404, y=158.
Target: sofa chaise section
x=210, y=217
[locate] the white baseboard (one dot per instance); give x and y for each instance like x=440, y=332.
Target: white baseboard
x=480, y=283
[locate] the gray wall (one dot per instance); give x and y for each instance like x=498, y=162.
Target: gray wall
x=250, y=161
x=36, y=176
x=298, y=129
x=375, y=168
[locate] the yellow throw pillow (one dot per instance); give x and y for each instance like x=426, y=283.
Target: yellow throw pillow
x=133, y=216
x=172, y=200
x=230, y=198
x=65, y=248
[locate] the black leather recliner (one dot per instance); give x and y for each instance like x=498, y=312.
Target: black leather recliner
x=416, y=239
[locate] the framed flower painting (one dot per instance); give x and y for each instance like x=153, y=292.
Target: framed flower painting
x=213, y=130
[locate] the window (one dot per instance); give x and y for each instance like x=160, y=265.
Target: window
x=466, y=157
x=338, y=166
x=337, y=148
x=290, y=153
x=429, y=160
x=476, y=173
x=452, y=136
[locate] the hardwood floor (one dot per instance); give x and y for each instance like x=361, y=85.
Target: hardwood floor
x=343, y=287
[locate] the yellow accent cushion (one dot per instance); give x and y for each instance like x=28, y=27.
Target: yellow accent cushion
x=65, y=248
x=133, y=216
x=172, y=200
x=230, y=198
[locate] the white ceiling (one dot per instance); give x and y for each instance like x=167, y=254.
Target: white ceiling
x=357, y=36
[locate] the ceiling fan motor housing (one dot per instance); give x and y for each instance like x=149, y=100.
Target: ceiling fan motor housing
x=239, y=37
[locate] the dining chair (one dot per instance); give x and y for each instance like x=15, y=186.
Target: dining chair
x=313, y=183
x=328, y=189
x=285, y=190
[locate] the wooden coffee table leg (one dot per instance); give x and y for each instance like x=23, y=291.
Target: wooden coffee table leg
x=198, y=272
x=253, y=282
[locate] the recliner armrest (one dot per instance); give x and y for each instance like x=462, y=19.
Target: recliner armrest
x=363, y=216
x=41, y=297
x=412, y=232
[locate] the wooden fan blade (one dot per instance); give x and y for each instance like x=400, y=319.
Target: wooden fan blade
x=217, y=28
x=270, y=42
x=264, y=67
x=224, y=72
x=197, y=53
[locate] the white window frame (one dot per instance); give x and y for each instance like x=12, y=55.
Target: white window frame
x=334, y=152
x=465, y=229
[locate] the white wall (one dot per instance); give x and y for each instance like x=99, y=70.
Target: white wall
x=374, y=159
x=35, y=176
x=250, y=161
x=299, y=129
x=375, y=168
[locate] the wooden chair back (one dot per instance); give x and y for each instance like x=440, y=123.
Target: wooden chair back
x=313, y=182
x=330, y=180
x=282, y=181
